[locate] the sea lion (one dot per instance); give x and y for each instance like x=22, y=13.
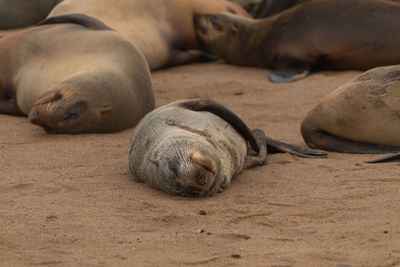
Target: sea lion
x=162, y=30
x=267, y=8
x=340, y=34
x=75, y=77
x=195, y=147
x=21, y=13
x=362, y=116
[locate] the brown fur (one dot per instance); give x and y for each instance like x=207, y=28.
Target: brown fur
x=340, y=34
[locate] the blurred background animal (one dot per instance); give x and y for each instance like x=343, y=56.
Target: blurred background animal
x=318, y=34
x=22, y=13
x=162, y=30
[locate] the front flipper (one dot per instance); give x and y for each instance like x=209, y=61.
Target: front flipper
x=181, y=57
x=390, y=158
x=224, y=113
x=290, y=68
x=256, y=159
x=274, y=146
x=10, y=107
x=287, y=76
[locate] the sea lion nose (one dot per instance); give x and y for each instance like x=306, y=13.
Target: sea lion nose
x=33, y=117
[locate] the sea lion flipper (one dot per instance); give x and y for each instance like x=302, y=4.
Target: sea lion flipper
x=290, y=66
x=76, y=18
x=287, y=76
x=252, y=160
x=224, y=113
x=393, y=157
x=180, y=57
x=10, y=107
x=317, y=138
x=275, y=146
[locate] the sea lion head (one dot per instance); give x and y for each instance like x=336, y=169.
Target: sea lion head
x=221, y=34
x=186, y=167
x=69, y=111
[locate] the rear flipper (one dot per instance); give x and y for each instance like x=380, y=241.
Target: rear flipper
x=274, y=146
x=10, y=107
x=390, y=158
x=253, y=159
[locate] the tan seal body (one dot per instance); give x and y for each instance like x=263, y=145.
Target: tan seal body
x=21, y=13
x=161, y=29
x=74, y=77
x=187, y=148
x=340, y=34
x=362, y=116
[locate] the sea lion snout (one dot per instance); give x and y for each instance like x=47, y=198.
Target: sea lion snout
x=33, y=117
x=192, y=173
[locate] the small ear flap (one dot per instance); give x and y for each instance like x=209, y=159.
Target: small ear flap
x=205, y=162
x=77, y=18
x=224, y=113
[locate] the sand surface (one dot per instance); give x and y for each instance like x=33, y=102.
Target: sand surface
x=70, y=200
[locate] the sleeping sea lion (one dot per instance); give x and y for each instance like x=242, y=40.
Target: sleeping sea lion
x=267, y=8
x=340, y=34
x=362, y=116
x=195, y=148
x=79, y=76
x=162, y=30
x=21, y=13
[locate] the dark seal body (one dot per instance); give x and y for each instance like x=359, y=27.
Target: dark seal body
x=339, y=35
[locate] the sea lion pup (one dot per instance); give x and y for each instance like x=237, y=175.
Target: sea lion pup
x=340, y=34
x=362, y=116
x=21, y=13
x=162, y=30
x=195, y=148
x=75, y=77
